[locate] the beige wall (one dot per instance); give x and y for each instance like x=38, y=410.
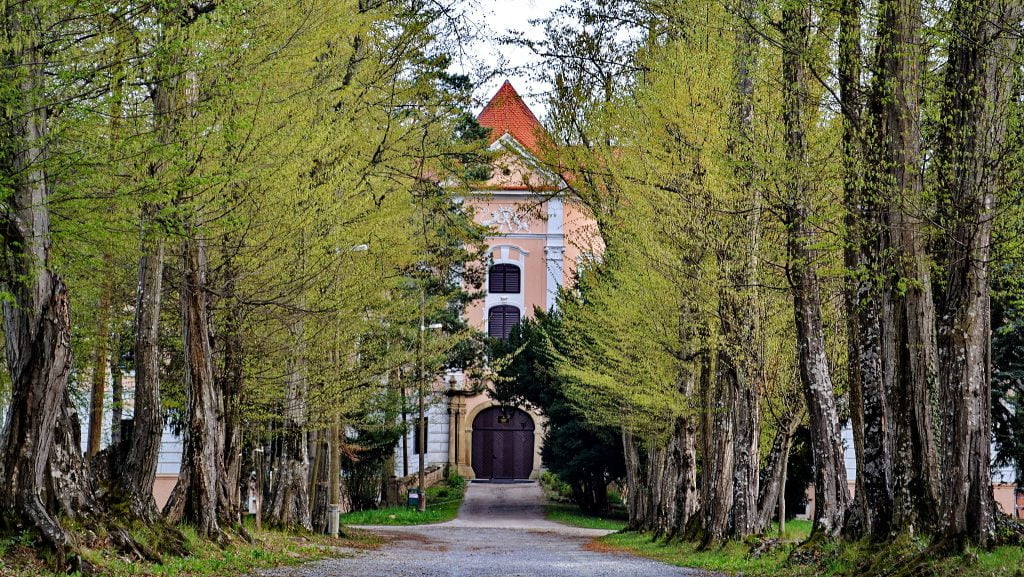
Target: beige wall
x=581, y=236
x=1006, y=500
x=162, y=488
x=512, y=172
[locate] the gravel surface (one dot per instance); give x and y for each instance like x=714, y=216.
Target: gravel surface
x=500, y=532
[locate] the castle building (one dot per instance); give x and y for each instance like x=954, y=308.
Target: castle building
x=538, y=237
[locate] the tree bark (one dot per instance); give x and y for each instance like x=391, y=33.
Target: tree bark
x=201, y=495
x=773, y=485
x=718, y=479
x=684, y=455
x=979, y=89
x=231, y=383
x=138, y=473
x=907, y=333
x=116, y=390
x=830, y=487
x=739, y=302
x=869, y=412
x=289, y=494
x=39, y=441
x=173, y=98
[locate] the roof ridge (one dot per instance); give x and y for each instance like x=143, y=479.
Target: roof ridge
x=508, y=113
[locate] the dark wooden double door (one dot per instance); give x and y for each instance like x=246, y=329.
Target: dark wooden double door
x=503, y=444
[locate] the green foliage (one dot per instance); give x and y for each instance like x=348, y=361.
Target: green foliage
x=1008, y=377
x=366, y=471
x=555, y=487
x=584, y=454
x=455, y=481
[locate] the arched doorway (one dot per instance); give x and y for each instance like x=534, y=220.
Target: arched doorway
x=502, y=444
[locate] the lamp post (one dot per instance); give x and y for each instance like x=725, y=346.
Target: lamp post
x=422, y=385
x=334, y=505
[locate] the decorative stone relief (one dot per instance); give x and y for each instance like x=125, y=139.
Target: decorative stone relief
x=508, y=220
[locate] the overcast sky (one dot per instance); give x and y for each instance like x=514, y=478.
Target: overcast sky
x=498, y=18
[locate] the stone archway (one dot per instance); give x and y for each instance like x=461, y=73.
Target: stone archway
x=503, y=443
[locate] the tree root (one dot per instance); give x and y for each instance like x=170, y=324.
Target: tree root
x=127, y=544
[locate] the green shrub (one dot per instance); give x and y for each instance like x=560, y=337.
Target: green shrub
x=456, y=481
x=554, y=484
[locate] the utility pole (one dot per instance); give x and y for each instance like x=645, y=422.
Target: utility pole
x=334, y=509
x=421, y=447
x=421, y=426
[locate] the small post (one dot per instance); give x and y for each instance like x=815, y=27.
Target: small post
x=259, y=488
x=333, y=519
x=782, y=501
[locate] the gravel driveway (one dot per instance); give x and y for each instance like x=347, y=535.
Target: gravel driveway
x=500, y=532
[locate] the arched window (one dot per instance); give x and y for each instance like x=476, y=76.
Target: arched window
x=504, y=279
x=500, y=321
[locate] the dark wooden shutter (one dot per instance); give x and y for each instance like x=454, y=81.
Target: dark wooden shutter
x=504, y=279
x=420, y=446
x=500, y=321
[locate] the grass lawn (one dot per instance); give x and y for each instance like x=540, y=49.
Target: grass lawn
x=270, y=549
x=847, y=561
x=561, y=509
x=796, y=530
x=568, y=514
x=442, y=505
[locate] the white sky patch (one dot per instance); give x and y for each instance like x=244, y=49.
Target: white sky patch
x=493, y=20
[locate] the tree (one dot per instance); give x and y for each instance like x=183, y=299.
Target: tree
x=585, y=455
x=972, y=142
x=43, y=473
x=831, y=493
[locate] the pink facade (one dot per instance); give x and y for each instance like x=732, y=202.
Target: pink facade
x=536, y=227
x=539, y=236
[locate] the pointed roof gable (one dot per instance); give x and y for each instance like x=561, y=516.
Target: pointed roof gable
x=506, y=113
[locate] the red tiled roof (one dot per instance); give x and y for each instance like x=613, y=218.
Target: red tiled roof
x=507, y=113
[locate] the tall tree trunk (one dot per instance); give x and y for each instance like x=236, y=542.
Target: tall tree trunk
x=684, y=455
x=718, y=477
x=741, y=328
x=907, y=312
x=637, y=493
x=116, y=390
x=773, y=478
x=138, y=474
x=830, y=488
x=173, y=97
x=231, y=383
x=289, y=494
x=39, y=441
x=320, y=483
x=869, y=414
x=979, y=89
x=200, y=497
x=662, y=476
x=683, y=445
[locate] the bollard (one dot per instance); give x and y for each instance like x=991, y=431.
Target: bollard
x=333, y=519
